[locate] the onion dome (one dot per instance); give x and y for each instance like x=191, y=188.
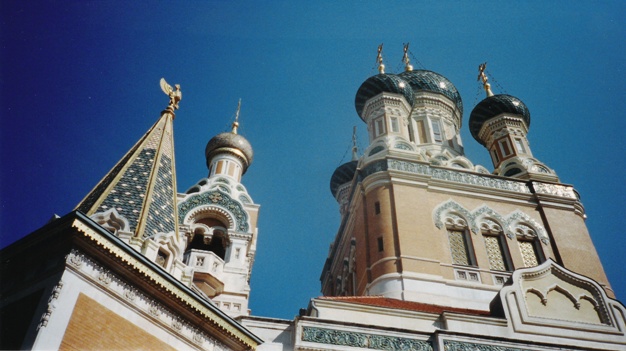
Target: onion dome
x=494, y=106
x=374, y=85
x=342, y=175
x=424, y=80
x=232, y=143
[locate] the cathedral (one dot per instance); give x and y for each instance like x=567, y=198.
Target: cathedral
x=433, y=252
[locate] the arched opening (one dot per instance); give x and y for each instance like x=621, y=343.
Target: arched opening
x=209, y=235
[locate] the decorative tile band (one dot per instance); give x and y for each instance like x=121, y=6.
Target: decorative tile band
x=458, y=177
x=450, y=345
x=215, y=198
x=370, y=341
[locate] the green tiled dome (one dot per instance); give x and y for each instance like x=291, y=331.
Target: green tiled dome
x=494, y=106
x=423, y=80
x=374, y=85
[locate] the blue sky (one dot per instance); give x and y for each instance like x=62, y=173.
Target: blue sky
x=80, y=86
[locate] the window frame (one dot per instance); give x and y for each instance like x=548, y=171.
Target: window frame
x=469, y=247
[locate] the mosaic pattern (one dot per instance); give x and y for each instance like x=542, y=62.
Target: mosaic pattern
x=458, y=247
x=494, y=253
x=129, y=184
x=127, y=196
x=529, y=254
x=450, y=345
x=161, y=212
x=362, y=340
x=215, y=198
x=91, y=199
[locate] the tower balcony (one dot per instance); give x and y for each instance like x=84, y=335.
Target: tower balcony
x=208, y=271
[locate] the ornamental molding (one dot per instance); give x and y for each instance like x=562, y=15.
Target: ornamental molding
x=485, y=213
x=129, y=295
x=555, y=189
x=112, y=221
x=218, y=201
x=452, y=345
x=452, y=214
x=454, y=176
x=79, y=262
x=518, y=218
x=362, y=340
x=595, y=296
x=56, y=291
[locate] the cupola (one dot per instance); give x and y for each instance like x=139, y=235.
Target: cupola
x=500, y=123
x=229, y=153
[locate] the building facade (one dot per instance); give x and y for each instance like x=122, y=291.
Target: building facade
x=138, y=265
x=433, y=252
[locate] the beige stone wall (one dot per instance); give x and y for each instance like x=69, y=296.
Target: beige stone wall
x=95, y=327
x=575, y=246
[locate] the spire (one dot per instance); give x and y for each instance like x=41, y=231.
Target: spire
x=141, y=187
x=482, y=76
x=408, y=67
x=236, y=122
x=379, y=60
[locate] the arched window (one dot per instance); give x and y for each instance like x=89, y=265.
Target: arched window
x=529, y=247
x=209, y=235
x=495, y=245
x=461, y=247
x=453, y=217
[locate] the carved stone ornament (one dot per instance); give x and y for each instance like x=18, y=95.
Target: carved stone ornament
x=520, y=217
x=90, y=270
x=452, y=345
x=130, y=293
x=56, y=291
x=447, y=214
x=453, y=176
x=219, y=199
x=555, y=189
x=74, y=258
x=451, y=209
x=104, y=278
x=362, y=340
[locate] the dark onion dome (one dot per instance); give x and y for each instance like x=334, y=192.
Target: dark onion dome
x=342, y=175
x=424, y=80
x=231, y=143
x=374, y=85
x=494, y=106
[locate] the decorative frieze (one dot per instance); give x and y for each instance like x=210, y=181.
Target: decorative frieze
x=362, y=340
x=452, y=345
x=457, y=177
x=555, y=189
x=129, y=295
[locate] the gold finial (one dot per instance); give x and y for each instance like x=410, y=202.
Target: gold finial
x=482, y=76
x=379, y=59
x=408, y=67
x=236, y=122
x=175, y=95
x=354, y=148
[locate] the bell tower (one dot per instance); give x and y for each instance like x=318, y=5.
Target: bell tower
x=219, y=220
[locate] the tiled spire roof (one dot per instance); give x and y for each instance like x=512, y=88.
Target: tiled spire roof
x=142, y=185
